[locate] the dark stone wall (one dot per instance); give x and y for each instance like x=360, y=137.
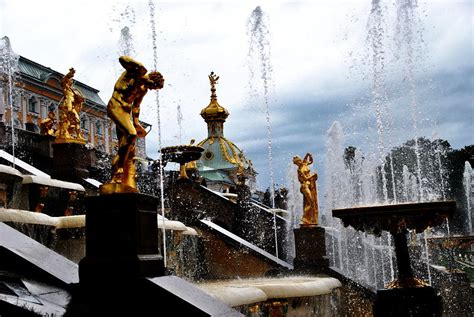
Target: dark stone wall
x=223, y=260
x=31, y=147
x=190, y=202
x=257, y=226
x=356, y=300
x=455, y=290
x=72, y=161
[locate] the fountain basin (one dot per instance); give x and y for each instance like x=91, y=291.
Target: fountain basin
x=405, y=295
x=396, y=218
x=297, y=295
x=181, y=154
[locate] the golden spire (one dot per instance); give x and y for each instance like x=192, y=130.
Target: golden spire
x=214, y=111
x=213, y=78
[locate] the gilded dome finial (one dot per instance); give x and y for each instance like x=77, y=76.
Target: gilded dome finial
x=213, y=78
x=214, y=111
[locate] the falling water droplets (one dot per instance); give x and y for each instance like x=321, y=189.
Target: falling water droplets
x=259, y=52
x=126, y=42
x=468, y=177
x=9, y=70
x=152, y=7
x=124, y=21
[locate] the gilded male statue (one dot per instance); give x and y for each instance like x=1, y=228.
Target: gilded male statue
x=308, y=189
x=69, y=126
x=124, y=109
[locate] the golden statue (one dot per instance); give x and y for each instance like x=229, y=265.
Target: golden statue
x=213, y=78
x=124, y=109
x=47, y=124
x=190, y=167
x=308, y=189
x=69, y=126
x=74, y=118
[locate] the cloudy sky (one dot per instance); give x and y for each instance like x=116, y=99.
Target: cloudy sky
x=320, y=54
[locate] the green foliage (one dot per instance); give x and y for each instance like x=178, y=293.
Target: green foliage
x=281, y=198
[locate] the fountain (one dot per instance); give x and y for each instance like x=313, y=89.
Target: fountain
x=467, y=182
x=182, y=154
x=259, y=50
x=125, y=262
x=406, y=295
x=9, y=68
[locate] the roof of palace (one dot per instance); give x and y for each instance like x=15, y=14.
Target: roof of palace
x=219, y=152
x=39, y=73
x=214, y=111
x=216, y=176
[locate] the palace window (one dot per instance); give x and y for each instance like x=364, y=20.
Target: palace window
x=33, y=105
x=99, y=128
x=85, y=123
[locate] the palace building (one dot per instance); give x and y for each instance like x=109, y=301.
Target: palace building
x=37, y=91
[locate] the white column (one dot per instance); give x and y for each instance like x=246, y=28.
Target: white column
x=2, y=103
x=92, y=130
x=43, y=108
x=23, y=109
x=106, y=134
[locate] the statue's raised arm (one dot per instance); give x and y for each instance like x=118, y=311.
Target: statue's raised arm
x=132, y=65
x=66, y=81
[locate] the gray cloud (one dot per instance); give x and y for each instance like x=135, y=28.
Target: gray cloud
x=319, y=58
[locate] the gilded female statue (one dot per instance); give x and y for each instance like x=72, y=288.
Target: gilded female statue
x=308, y=189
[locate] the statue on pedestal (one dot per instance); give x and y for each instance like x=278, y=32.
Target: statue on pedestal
x=124, y=109
x=69, y=126
x=308, y=189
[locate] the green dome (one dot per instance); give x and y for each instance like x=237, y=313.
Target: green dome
x=220, y=153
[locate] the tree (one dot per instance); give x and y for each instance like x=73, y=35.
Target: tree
x=281, y=198
x=457, y=159
x=425, y=161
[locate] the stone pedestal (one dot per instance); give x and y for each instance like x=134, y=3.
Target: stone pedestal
x=121, y=239
x=407, y=301
x=310, y=247
x=70, y=161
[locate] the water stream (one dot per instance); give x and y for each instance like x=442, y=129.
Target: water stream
x=405, y=40
x=467, y=182
x=151, y=6
x=9, y=67
x=179, y=119
x=259, y=52
x=387, y=171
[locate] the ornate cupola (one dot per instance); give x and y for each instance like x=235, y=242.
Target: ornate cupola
x=214, y=114
x=221, y=160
